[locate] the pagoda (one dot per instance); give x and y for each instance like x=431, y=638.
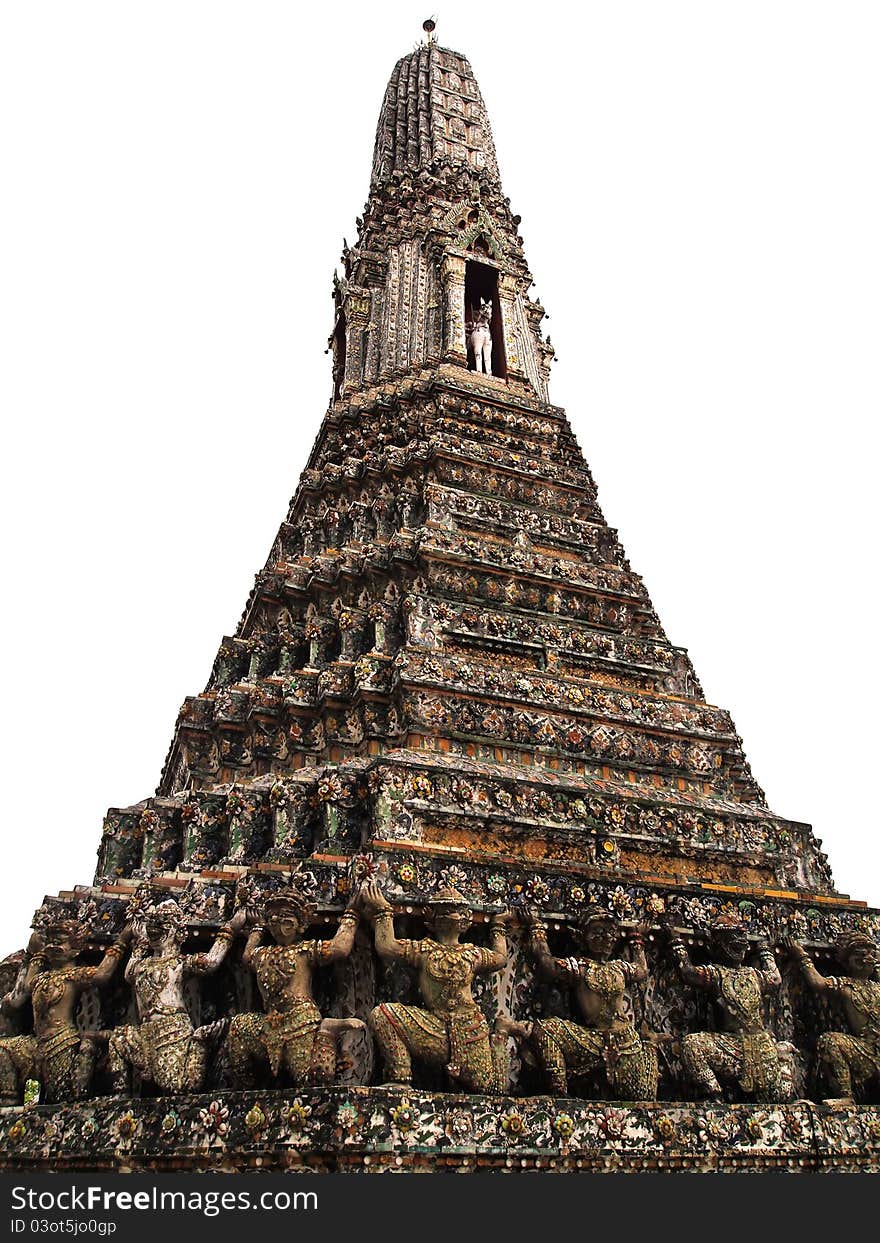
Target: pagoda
x=448, y=679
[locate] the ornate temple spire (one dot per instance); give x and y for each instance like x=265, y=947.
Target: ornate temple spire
x=445, y=590
x=433, y=114
x=439, y=263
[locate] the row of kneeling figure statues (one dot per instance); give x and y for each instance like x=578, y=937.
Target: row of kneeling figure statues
x=289, y=1043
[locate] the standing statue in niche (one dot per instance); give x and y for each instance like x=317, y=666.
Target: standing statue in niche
x=850, y=1060
x=604, y=1039
x=164, y=1047
x=291, y=1038
x=451, y=1030
x=743, y=1052
x=480, y=337
x=59, y=1055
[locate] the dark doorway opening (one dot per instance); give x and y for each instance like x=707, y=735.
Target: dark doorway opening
x=481, y=286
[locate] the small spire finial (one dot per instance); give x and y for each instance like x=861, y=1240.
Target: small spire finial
x=429, y=26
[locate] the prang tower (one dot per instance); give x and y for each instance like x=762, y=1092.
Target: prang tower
x=447, y=657
x=448, y=675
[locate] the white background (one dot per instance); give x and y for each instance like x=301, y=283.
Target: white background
x=700, y=195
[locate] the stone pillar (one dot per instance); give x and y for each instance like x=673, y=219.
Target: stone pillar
x=206, y=828
x=513, y=345
x=162, y=837
x=454, y=344
x=121, y=846
x=357, y=319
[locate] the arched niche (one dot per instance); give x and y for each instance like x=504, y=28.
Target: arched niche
x=481, y=286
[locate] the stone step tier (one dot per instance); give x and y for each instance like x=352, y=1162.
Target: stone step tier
x=438, y=799
x=419, y=822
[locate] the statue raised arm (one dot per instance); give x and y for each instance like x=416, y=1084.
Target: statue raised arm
x=164, y=1047
x=18, y=1054
x=449, y=1030
x=850, y=1060
x=604, y=1039
x=63, y=1057
x=290, y=1040
x=743, y=1052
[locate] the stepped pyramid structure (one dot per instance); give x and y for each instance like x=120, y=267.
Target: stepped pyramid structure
x=448, y=676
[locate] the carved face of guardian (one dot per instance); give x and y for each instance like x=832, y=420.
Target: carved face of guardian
x=285, y=929
x=861, y=960
x=598, y=939
x=287, y=917
x=452, y=921
x=730, y=945
x=62, y=944
x=163, y=921
x=449, y=915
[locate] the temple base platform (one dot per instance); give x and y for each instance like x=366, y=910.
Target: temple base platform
x=373, y=1130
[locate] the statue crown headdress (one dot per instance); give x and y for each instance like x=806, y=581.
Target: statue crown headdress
x=594, y=918
x=727, y=923
x=449, y=897
x=289, y=904
x=167, y=911
x=65, y=927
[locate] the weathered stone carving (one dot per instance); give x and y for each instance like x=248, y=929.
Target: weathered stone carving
x=58, y=1053
x=451, y=1030
x=448, y=678
x=604, y=1041
x=164, y=1048
x=850, y=1060
x=480, y=337
x=18, y=1053
x=743, y=1052
x=291, y=1039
